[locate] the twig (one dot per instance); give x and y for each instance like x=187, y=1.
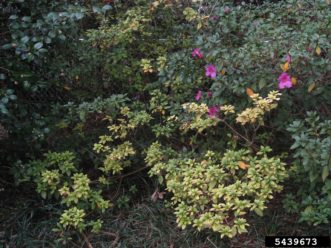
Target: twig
x=250, y=143
x=115, y=235
x=125, y=175
x=89, y=245
x=5, y=69
x=211, y=242
x=130, y=173
x=117, y=190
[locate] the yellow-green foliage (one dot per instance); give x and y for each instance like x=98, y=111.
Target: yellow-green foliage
x=73, y=217
x=146, y=66
x=200, y=120
x=117, y=157
x=191, y=15
x=212, y=190
x=57, y=176
x=133, y=21
x=261, y=106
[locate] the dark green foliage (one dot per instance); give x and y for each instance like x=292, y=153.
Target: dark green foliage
x=312, y=153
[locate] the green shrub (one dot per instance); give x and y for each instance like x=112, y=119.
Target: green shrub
x=311, y=150
x=58, y=177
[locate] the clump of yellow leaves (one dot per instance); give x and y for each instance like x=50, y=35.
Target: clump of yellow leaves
x=200, y=121
x=146, y=66
x=117, y=156
x=261, y=106
x=217, y=191
x=192, y=15
x=227, y=109
x=198, y=109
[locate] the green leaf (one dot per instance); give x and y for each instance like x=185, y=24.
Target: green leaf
x=3, y=109
x=7, y=46
x=312, y=176
x=12, y=97
x=26, y=18
x=43, y=194
x=212, y=184
x=258, y=212
x=106, y=8
x=13, y=17
x=96, y=9
x=160, y=179
x=52, y=34
x=311, y=87
x=325, y=173
x=5, y=99
x=79, y=15
x=38, y=45
x=308, y=209
x=25, y=39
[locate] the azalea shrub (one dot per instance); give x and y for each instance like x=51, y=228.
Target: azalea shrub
x=242, y=49
x=215, y=186
x=216, y=191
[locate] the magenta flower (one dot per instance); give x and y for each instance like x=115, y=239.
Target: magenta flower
x=209, y=94
x=213, y=111
x=288, y=58
x=211, y=71
x=198, y=95
x=284, y=81
x=197, y=53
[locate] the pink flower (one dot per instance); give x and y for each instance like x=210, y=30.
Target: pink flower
x=284, y=81
x=211, y=71
x=209, y=94
x=288, y=58
x=213, y=111
x=198, y=95
x=226, y=9
x=197, y=53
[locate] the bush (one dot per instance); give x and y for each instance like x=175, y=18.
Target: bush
x=58, y=177
x=311, y=150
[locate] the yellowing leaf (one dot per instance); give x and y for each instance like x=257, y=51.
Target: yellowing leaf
x=249, y=92
x=199, y=26
x=325, y=173
x=311, y=87
x=243, y=165
x=294, y=81
x=285, y=66
x=308, y=209
x=318, y=50
x=66, y=87
x=223, y=72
